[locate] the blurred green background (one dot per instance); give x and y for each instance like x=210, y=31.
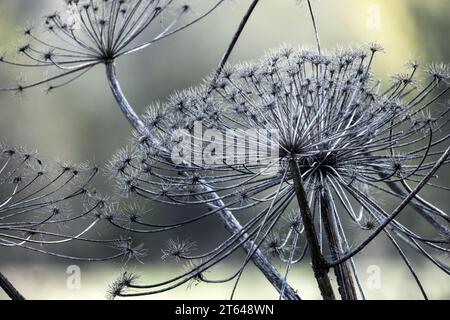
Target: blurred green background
x=81, y=121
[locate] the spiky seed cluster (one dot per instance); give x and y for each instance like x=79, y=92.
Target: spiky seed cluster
x=125, y=280
x=35, y=211
x=346, y=133
x=91, y=32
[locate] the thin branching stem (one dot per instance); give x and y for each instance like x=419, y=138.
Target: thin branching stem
x=233, y=43
x=10, y=290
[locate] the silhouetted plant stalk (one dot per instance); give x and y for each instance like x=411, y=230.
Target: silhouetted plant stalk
x=342, y=272
x=316, y=30
x=10, y=290
x=318, y=262
x=337, y=248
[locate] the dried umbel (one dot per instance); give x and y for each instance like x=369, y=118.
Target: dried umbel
x=345, y=142
x=92, y=32
x=35, y=207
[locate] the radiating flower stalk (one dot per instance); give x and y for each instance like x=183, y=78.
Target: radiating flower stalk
x=35, y=208
x=9, y=289
x=344, y=140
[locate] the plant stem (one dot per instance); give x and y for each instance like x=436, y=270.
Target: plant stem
x=231, y=223
x=316, y=30
x=10, y=290
x=272, y=275
x=318, y=262
x=123, y=103
x=232, y=44
x=342, y=271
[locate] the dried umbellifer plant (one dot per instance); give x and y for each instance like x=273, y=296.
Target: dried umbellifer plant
x=341, y=137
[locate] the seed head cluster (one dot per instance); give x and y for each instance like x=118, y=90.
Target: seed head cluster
x=354, y=140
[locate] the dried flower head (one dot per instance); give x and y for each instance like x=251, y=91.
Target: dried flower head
x=340, y=136
x=35, y=205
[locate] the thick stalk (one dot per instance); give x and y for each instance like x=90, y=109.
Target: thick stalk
x=316, y=30
x=319, y=264
x=10, y=290
x=342, y=271
x=231, y=223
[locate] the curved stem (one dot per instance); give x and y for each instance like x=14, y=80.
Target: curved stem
x=123, y=103
x=230, y=222
x=272, y=275
x=10, y=290
x=419, y=208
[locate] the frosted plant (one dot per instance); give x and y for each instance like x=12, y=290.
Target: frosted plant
x=345, y=142
x=36, y=214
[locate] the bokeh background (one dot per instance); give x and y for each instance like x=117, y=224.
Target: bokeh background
x=81, y=122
